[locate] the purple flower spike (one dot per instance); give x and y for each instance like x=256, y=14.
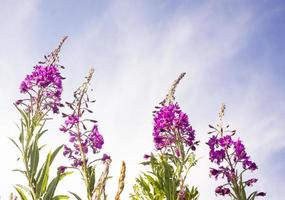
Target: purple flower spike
x=232, y=160
x=84, y=134
x=96, y=139
x=47, y=81
x=169, y=121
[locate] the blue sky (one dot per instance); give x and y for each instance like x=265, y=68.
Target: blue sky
x=232, y=52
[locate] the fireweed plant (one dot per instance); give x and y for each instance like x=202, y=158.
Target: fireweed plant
x=42, y=89
x=231, y=161
x=85, y=141
x=174, y=140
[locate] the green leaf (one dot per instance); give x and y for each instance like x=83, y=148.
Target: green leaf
x=252, y=196
x=242, y=189
x=40, y=132
x=145, y=163
x=53, y=184
x=24, y=115
x=41, y=147
x=16, y=144
x=26, y=189
x=91, y=172
x=53, y=155
x=21, y=193
x=60, y=197
x=18, y=170
x=75, y=195
x=51, y=188
x=21, y=137
x=43, y=177
x=34, y=159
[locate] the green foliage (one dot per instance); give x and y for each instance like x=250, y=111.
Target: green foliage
x=39, y=186
x=91, y=179
x=75, y=195
x=60, y=197
x=21, y=193
x=164, y=180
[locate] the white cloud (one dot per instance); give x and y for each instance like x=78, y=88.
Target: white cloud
x=136, y=57
x=17, y=20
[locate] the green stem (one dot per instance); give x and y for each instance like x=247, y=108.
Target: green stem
x=26, y=163
x=84, y=167
x=234, y=180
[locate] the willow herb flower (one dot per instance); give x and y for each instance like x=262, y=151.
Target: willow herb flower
x=232, y=161
x=44, y=85
x=171, y=126
x=85, y=140
x=42, y=89
x=174, y=141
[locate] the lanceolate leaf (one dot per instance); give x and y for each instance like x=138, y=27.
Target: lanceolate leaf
x=26, y=189
x=24, y=115
x=18, y=170
x=60, y=197
x=53, y=155
x=34, y=159
x=53, y=184
x=21, y=193
x=242, y=189
x=43, y=177
x=92, y=178
x=18, y=147
x=21, y=137
x=252, y=196
x=75, y=195
x=51, y=189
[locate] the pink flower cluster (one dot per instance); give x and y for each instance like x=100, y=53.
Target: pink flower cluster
x=228, y=153
x=171, y=125
x=82, y=142
x=44, y=85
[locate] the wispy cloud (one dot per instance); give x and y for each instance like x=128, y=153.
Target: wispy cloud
x=137, y=49
x=16, y=53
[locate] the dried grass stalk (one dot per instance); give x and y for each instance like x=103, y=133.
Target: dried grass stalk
x=121, y=181
x=100, y=188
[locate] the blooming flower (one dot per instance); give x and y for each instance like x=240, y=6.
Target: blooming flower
x=71, y=120
x=93, y=140
x=83, y=140
x=44, y=85
x=170, y=126
x=231, y=158
x=96, y=139
x=219, y=147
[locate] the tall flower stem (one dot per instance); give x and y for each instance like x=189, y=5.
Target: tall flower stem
x=175, y=144
x=232, y=161
x=84, y=140
x=43, y=88
x=84, y=167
